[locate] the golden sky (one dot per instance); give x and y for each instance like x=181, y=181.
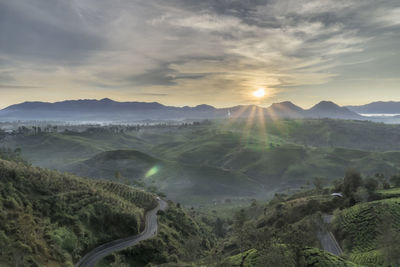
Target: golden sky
x=190, y=52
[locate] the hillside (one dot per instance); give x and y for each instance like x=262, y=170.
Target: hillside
x=188, y=183
x=131, y=164
x=223, y=159
x=52, y=219
x=286, y=230
x=368, y=229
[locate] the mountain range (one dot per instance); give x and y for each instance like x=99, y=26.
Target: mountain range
x=379, y=107
x=109, y=110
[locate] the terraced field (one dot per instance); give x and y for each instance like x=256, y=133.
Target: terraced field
x=312, y=256
x=358, y=229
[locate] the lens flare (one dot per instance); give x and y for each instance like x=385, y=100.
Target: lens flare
x=152, y=171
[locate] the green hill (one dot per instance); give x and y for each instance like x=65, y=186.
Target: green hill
x=132, y=164
x=53, y=219
x=221, y=159
x=58, y=150
x=188, y=183
x=361, y=229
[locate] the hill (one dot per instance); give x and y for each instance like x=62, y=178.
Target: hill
x=380, y=107
x=53, y=219
x=220, y=160
x=50, y=218
x=327, y=109
x=365, y=230
x=129, y=163
x=188, y=183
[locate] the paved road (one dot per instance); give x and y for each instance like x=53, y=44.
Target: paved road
x=150, y=230
x=328, y=241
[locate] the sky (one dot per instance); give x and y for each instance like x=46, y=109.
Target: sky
x=190, y=52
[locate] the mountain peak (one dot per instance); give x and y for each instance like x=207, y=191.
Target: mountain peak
x=204, y=107
x=286, y=105
x=328, y=109
x=326, y=104
x=106, y=100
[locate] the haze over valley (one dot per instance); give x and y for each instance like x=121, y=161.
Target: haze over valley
x=214, y=133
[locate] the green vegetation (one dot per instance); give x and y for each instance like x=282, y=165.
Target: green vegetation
x=221, y=172
x=53, y=219
x=181, y=240
x=256, y=158
x=362, y=229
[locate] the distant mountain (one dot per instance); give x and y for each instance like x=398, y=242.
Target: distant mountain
x=105, y=110
x=377, y=108
x=286, y=109
x=102, y=110
x=85, y=105
x=328, y=109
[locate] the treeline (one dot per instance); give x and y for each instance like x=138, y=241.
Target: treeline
x=90, y=129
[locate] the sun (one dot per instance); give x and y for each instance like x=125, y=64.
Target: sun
x=259, y=93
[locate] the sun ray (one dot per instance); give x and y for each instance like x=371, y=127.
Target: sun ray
x=248, y=125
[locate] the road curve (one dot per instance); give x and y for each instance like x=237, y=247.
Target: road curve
x=90, y=259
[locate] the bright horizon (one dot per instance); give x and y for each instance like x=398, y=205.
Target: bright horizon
x=193, y=52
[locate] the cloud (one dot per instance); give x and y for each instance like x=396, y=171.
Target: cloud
x=187, y=47
x=45, y=31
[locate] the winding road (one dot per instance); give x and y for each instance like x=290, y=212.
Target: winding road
x=328, y=241
x=90, y=259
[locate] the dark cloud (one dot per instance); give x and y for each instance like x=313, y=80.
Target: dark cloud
x=25, y=35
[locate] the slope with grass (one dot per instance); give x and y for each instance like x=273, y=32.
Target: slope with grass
x=229, y=158
x=275, y=163
x=360, y=229
x=58, y=150
x=52, y=218
x=182, y=182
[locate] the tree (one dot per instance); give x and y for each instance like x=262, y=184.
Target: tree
x=239, y=220
x=395, y=180
x=219, y=228
x=318, y=183
x=276, y=255
x=371, y=184
x=381, y=178
x=352, y=180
